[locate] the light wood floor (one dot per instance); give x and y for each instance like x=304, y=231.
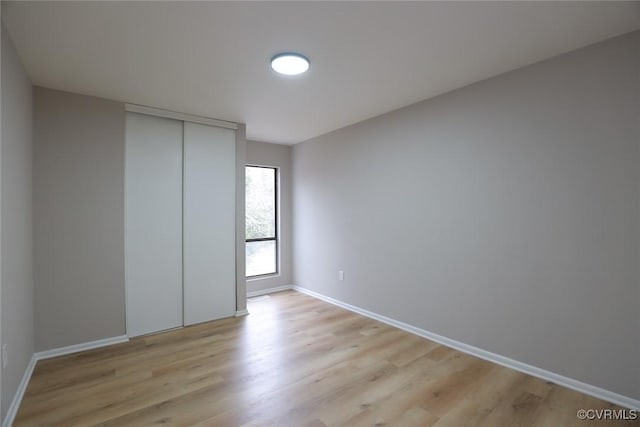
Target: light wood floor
x=294, y=361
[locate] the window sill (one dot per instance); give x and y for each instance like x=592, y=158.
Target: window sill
x=262, y=277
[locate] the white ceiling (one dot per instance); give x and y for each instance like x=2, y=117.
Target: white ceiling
x=367, y=58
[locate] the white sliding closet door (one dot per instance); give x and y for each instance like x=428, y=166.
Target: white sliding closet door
x=154, y=162
x=209, y=223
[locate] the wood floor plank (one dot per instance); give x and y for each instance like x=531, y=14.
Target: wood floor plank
x=294, y=361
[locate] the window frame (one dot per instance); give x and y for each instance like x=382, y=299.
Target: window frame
x=276, y=237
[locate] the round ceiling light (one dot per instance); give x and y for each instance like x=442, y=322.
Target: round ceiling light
x=289, y=64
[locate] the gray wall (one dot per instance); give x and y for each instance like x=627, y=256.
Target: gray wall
x=17, y=229
x=265, y=154
x=241, y=282
x=1, y=32
x=504, y=215
x=79, y=218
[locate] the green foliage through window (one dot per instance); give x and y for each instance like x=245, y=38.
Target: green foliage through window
x=261, y=220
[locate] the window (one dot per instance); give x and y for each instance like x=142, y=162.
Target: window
x=261, y=222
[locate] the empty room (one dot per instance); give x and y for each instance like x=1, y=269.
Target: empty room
x=320, y=213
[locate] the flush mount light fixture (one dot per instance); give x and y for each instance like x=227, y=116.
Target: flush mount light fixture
x=289, y=64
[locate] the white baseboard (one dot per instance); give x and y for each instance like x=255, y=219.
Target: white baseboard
x=47, y=354
x=571, y=383
x=17, y=398
x=269, y=291
x=241, y=313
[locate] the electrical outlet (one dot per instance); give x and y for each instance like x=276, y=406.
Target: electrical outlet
x=340, y=275
x=5, y=358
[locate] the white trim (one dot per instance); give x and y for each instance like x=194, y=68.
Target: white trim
x=241, y=313
x=126, y=269
x=571, y=383
x=17, y=398
x=269, y=291
x=47, y=354
x=179, y=116
x=182, y=223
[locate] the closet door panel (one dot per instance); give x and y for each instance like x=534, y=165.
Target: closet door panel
x=209, y=223
x=154, y=161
